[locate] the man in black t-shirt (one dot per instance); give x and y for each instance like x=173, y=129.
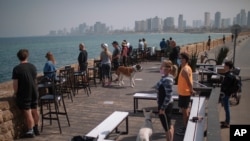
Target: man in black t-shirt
x=116, y=55
x=25, y=91
x=82, y=58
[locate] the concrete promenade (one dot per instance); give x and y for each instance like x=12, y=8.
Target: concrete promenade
x=240, y=114
x=87, y=112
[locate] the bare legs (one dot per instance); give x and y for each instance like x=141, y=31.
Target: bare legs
x=185, y=113
x=32, y=118
x=170, y=134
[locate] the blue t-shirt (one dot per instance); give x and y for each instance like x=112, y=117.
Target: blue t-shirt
x=49, y=70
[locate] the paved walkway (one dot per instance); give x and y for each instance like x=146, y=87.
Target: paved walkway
x=87, y=112
x=240, y=114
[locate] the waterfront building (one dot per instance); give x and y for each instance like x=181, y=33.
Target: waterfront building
x=225, y=23
x=100, y=28
x=217, y=20
x=180, y=23
x=197, y=23
x=248, y=19
x=243, y=17
x=156, y=24
x=141, y=26
x=207, y=20
x=168, y=24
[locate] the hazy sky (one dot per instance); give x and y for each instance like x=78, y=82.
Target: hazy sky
x=38, y=17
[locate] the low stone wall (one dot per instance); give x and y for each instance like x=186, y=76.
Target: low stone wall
x=11, y=118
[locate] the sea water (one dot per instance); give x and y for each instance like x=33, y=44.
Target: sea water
x=66, y=50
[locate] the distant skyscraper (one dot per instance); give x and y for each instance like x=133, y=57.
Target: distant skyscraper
x=197, y=23
x=180, y=22
x=100, y=28
x=238, y=19
x=248, y=19
x=217, y=20
x=207, y=19
x=168, y=24
x=156, y=24
x=225, y=23
x=243, y=17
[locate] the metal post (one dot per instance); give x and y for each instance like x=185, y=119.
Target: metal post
x=234, y=46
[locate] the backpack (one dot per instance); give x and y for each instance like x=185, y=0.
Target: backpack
x=236, y=83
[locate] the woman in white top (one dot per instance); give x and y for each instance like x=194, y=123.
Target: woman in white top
x=106, y=57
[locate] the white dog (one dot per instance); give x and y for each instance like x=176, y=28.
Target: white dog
x=146, y=130
x=128, y=72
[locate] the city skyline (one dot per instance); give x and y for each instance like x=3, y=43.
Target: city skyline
x=34, y=18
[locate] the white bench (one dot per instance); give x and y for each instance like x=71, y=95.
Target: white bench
x=195, y=130
x=110, y=124
x=146, y=96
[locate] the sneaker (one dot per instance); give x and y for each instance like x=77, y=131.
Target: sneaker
x=222, y=122
x=36, y=131
x=180, y=132
x=28, y=135
x=225, y=125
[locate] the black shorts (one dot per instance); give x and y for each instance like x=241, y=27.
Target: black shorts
x=168, y=113
x=184, y=101
x=26, y=104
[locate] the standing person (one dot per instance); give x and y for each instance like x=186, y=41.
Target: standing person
x=82, y=58
x=140, y=46
x=144, y=48
x=209, y=42
x=106, y=58
x=232, y=36
x=25, y=92
x=163, y=46
x=124, y=53
x=49, y=69
x=225, y=90
x=185, y=90
x=116, y=56
x=223, y=39
x=164, y=97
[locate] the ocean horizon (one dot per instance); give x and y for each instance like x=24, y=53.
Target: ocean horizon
x=65, y=48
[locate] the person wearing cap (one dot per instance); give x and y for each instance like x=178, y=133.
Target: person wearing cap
x=106, y=58
x=49, y=69
x=116, y=55
x=124, y=53
x=82, y=58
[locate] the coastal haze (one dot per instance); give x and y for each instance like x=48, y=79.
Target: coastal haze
x=38, y=18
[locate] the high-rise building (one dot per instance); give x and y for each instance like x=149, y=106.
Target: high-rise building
x=238, y=19
x=217, y=20
x=141, y=26
x=197, y=23
x=100, y=28
x=248, y=19
x=243, y=17
x=180, y=22
x=225, y=23
x=168, y=24
x=207, y=19
x=156, y=24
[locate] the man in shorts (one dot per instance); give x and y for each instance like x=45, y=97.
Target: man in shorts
x=25, y=92
x=116, y=56
x=185, y=90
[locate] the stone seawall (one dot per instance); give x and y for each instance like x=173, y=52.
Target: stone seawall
x=11, y=118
